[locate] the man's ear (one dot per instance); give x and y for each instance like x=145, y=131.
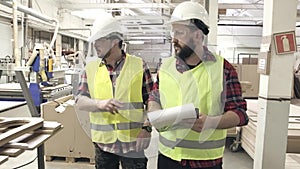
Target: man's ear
x=115, y=42
x=199, y=35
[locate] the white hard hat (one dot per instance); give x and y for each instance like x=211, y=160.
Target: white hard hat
x=104, y=26
x=189, y=10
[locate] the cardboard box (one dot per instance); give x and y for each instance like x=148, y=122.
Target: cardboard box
x=251, y=61
x=248, y=73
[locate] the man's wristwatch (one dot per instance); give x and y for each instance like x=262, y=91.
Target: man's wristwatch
x=147, y=128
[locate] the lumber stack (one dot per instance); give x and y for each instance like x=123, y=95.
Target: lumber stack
x=249, y=132
x=20, y=134
x=292, y=161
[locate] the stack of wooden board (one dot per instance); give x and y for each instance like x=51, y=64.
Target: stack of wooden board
x=20, y=134
x=249, y=131
x=292, y=161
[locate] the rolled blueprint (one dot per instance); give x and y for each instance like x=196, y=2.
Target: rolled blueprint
x=171, y=116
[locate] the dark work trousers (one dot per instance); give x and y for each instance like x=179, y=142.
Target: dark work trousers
x=167, y=163
x=131, y=160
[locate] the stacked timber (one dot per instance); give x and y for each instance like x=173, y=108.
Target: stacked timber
x=249, y=132
x=20, y=134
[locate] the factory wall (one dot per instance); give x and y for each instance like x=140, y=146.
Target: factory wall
x=5, y=40
x=232, y=40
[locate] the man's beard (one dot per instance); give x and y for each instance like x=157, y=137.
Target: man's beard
x=186, y=50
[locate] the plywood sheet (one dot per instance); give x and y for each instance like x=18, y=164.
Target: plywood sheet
x=24, y=125
x=3, y=159
x=292, y=161
x=32, y=140
x=11, y=152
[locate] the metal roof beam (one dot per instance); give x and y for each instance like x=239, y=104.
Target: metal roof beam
x=240, y=6
x=143, y=17
x=80, y=6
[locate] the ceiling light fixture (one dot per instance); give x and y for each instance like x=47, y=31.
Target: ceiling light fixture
x=136, y=42
x=148, y=37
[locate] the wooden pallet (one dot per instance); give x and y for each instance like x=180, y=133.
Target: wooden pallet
x=70, y=159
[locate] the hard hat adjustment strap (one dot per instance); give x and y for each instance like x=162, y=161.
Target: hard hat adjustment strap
x=199, y=24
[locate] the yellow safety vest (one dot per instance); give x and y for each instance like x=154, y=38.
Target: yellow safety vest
x=105, y=127
x=201, y=86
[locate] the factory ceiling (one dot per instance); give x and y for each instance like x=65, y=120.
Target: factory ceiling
x=145, y=19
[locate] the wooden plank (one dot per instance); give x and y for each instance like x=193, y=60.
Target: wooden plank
x=31, y=141
x=12, y=152
x=291, y=126
x=51, y=126
x=292, y=161
x=3, y=159
x=294, y=110
x=30, y=124
x=19, y=140
x=252, y=107
x=7, y=105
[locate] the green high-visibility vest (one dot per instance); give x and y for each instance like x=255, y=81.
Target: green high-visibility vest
x=202, y=86
x=105, y=127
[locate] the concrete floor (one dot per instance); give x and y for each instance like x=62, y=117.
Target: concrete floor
x=239, y=160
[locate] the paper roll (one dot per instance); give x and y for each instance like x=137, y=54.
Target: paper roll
x=171, y=116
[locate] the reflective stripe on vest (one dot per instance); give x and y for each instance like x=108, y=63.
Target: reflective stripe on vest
x=202, y=86
x=105, y=127
x=120, y=126
x=131, y=106
x=192, y=144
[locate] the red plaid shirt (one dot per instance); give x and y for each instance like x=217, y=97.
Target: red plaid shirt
x=234, y=101
x=83, y=89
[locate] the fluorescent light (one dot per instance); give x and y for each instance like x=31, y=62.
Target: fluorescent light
x=148, y=37
x=90, y=13
x=136, y=42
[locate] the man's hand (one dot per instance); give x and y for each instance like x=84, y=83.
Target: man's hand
x=195, y=124
x=110, y=105
x=143, y=140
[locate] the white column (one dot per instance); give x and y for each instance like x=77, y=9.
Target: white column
x=81, y=47
x=213, y=25
x=275, y=89
x=58, y=49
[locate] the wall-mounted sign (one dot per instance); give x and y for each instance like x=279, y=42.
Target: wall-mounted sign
x=263, y=65
x=285, y=42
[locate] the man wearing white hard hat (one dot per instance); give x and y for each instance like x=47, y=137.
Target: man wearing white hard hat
x=114, y=88
x=196, y=75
